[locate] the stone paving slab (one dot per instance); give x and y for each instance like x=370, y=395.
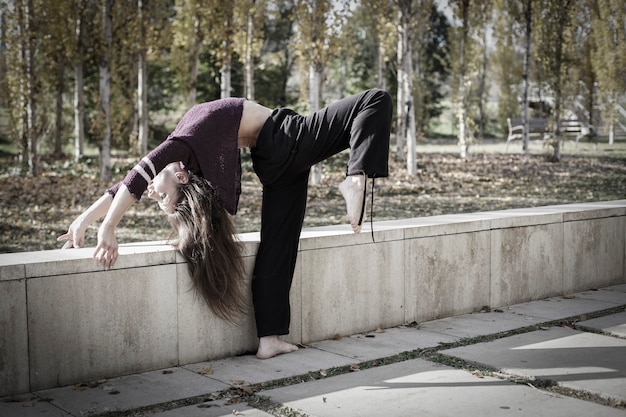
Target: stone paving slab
x=615, y=295
x=556, y=308
x=130, y=392
x=577, y=360
x=479, y=324
x=247, y=369
x=614, y=324
x=29, y=405
x=219, y=408
x=421, y=388
x=377, y=345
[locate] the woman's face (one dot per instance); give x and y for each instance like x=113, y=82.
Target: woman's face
x=164, y=187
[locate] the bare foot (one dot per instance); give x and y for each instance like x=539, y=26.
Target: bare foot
x=270, y=346
x=353, y=191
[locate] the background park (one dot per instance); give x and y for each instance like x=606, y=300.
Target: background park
x=87, y=87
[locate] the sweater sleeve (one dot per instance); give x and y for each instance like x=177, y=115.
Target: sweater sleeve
x=150, y=165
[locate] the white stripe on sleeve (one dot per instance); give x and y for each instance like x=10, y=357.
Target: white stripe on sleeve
x=150, y=165
x=142, y=172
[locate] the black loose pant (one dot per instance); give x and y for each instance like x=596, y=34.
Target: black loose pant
x=287, y=147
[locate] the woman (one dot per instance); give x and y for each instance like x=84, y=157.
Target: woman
x=195, y=176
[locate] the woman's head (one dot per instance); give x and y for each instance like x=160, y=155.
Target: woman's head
x=204, y=234
x=165, y=187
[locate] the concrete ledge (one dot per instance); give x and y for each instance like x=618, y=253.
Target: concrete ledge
x=64, y=320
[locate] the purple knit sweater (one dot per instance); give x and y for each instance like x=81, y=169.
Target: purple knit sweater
x=205, y=141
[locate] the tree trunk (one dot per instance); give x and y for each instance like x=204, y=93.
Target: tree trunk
x=195, y=61
x=28, y=138
x=58, y=113
x=142, y=85
x=315, y=76
x=462, y=112
x=33, y=158
x=105, y=91
x=249, y=58
x=402, y=94
x=558, y=64
x=528, y=17
x=382, y=80
x=142, y=102
x=79, y=100
x=225, y=83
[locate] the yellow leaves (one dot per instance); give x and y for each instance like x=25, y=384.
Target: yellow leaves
x=35, y=210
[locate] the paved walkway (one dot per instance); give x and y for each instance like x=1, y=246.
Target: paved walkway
x=564, y=356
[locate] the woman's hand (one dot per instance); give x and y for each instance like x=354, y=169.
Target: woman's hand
x=75, y=236
x=107, y=250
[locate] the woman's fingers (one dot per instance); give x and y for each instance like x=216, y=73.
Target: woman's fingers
x=69, y=241
x=74, y=239
x=105, y=256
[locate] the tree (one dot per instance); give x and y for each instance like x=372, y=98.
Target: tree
x=433, y=69
x=249, y=17
x=276, y=57
x=472, y=17
x=405, y=133
x=609, y=55
x=508, y=65
x=79, y=96
x=319, y=24
x=515, y=27
x=105, y=89
x=555, y=18
x=150, y=26
x=142, y=79
x=22, y=39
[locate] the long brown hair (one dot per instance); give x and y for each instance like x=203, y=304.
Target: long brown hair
x=204, y=233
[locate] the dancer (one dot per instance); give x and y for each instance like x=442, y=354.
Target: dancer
x=195, y=176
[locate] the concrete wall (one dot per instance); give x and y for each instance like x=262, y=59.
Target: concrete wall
x=64, y=320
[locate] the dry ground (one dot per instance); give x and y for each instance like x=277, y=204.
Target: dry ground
x=35, y=210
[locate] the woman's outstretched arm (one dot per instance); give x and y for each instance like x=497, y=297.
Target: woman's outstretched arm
x=107, y=250
x=75, y=236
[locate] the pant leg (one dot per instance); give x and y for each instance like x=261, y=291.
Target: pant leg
x=282, y=214
x=361, y=123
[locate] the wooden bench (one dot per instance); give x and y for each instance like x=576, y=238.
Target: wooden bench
x=536, y=126
x=539, y=126
x=571, y=127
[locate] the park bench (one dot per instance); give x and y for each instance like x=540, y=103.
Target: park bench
x=536, y=126
x=539, y=126
x=571, y=127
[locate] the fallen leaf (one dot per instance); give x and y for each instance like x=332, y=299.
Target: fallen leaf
x=379, y=330
x=239, y=382
x=235, y=400
x=337, y=336
x=206, y=371
x=354, y=367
